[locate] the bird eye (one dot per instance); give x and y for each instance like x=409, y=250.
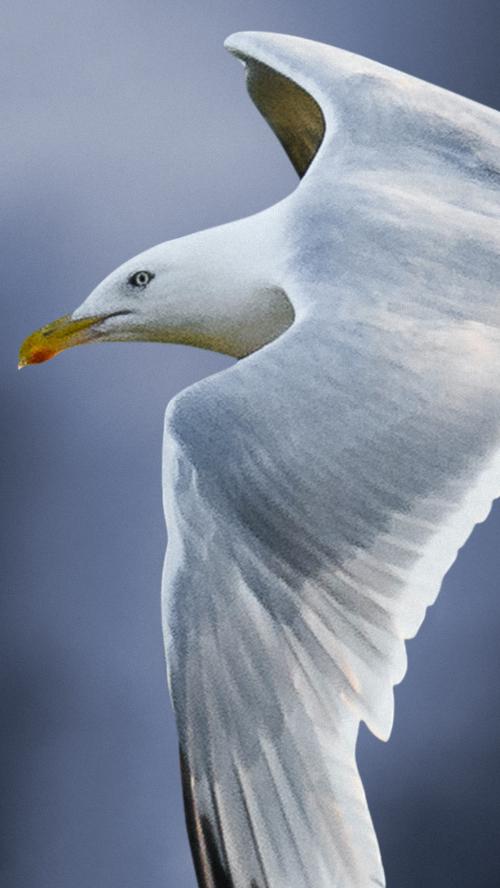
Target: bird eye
x=140, y=278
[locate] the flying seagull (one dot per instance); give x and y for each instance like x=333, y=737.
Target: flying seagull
x=317, y=491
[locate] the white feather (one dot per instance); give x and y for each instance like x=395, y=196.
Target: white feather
x=317, y=492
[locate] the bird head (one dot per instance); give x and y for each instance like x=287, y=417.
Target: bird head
x=135, y=302
x=207, y=289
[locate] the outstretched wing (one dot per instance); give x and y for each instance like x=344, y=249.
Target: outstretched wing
x=317, y=491
x=316, y=494
x=315, y=97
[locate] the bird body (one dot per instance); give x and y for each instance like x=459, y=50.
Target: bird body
x=317, y=491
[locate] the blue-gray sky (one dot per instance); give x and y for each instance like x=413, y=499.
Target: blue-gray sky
x=125, y=124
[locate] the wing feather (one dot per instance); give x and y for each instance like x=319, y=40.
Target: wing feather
x=317, y=492
x=291, y=582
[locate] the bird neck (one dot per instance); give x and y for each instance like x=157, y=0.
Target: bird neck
x=232, y=298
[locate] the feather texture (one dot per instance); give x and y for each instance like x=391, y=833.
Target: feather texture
x=317, y=492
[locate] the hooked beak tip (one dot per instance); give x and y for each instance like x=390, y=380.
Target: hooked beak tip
x=34, y=357
x=65, y=332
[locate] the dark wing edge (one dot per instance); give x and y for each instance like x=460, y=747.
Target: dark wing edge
x=292, y=112
x=210, y=870
x=294, y=116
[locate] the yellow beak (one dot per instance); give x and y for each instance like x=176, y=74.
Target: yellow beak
x=63, y=333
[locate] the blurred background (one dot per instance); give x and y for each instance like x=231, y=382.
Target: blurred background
x=124, y=124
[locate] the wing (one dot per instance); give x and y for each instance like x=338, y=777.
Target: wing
x=307, y=536
x=315, y=97
x=317, y=491
x=292, y=113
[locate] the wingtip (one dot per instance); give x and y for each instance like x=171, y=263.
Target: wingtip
x=248, y=42
x=234, y=40
x=238, y=43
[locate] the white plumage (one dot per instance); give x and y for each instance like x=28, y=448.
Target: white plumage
x=317, y=491
x=320, y=489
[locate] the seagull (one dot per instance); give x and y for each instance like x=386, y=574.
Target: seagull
x=317, y=490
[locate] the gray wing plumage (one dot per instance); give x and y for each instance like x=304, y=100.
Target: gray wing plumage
x=317, y=491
